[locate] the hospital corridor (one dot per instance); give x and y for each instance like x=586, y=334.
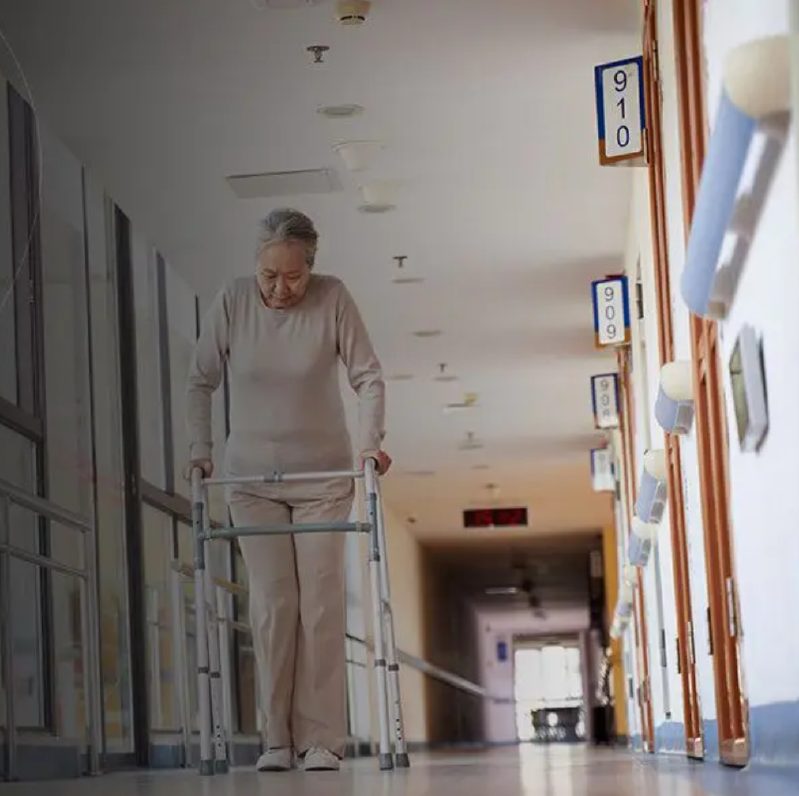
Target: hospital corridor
x=399, y=397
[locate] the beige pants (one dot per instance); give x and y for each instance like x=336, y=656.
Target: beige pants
x=297, y=611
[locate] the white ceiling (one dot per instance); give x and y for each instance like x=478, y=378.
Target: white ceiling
x=486, y=110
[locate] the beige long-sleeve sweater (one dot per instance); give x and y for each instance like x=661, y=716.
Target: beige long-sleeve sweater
x=286, y=410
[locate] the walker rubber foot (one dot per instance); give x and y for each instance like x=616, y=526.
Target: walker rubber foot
x=221, y=767
x=402, y=760
x=386, y=763
x=206, y=768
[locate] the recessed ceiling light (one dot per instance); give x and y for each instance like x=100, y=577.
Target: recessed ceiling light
x=261, y=4
x=424, y=333
x=502, y=590
x=407, y=280
x=400, y=377
x=340, y=111
x=377, y=207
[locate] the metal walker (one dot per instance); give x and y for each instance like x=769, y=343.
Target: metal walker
x=214, y=757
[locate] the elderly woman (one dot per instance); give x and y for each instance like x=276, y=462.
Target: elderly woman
x=282, y=333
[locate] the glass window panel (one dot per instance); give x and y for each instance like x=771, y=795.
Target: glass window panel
x=8, y=354
x=18, y=460
x=181, y=331
x=110, y=516
x=70, y=716
x=157, y=529
x=151, y=419
x=27, y=619
x=65, y=329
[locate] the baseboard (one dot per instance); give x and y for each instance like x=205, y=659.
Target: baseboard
x=48, y=758
x=774, y=733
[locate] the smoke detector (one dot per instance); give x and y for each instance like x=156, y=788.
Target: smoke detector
x=352, y=12
x=358, y=155
x=378, y=196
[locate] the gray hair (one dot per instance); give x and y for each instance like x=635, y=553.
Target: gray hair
x=285, y=225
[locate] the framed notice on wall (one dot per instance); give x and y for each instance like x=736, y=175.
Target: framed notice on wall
x=611, y=300
x=621, y=118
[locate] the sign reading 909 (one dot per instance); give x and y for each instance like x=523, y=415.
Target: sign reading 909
x=611, y=302
x=620, y=111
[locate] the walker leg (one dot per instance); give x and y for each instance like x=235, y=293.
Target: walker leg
x=219, y=740
x=201, y=616
x=386, y=761
x=400, y=746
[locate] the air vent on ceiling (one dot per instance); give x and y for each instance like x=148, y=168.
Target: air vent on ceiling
x=284, y=183
x=427, y=333
x=400, y=377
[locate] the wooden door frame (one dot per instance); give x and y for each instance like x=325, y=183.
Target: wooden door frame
x=711, y=425
x=686, y=658
x=627, y=429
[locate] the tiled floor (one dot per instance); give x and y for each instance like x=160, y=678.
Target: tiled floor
x=526, y=771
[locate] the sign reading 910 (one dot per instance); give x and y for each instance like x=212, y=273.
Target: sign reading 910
x=620, y=110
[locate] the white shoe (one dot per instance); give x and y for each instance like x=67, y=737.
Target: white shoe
x=317, y=758
x=275, y=760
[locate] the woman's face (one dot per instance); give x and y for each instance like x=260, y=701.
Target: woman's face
x=283, y=274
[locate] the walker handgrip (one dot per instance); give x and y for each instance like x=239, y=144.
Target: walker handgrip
x=196, y=483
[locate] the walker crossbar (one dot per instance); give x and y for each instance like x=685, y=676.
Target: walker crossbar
x=277, y=530
x=214, y=740
x=282, y=478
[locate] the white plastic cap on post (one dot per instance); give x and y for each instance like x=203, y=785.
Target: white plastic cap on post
x=655, y=464
x=677, y=380
x=647, y=531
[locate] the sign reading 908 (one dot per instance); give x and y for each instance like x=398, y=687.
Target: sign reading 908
x=620, y=110
x=611, y=311
x=605, y=400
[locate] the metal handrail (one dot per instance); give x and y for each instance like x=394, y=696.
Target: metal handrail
x=86, y=574
x=421, y=665
x=44, y=507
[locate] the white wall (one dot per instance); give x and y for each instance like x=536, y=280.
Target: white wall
x=766, y=545
x=499, y=719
